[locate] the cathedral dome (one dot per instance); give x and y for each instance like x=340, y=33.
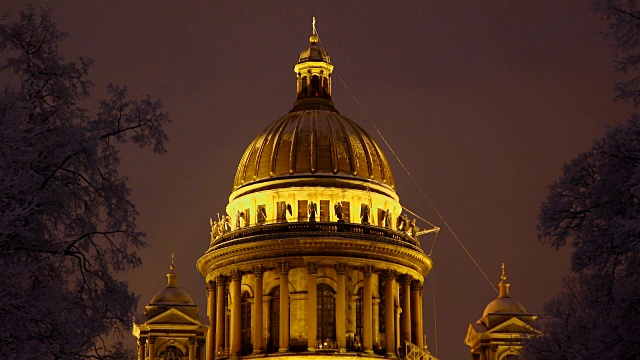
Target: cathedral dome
x=313, y=143
x=318, y=143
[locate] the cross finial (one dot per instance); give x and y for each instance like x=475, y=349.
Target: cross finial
x=313, y=25
x=503, y=277
x=172, y=266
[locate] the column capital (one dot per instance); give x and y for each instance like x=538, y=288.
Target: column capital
x=416, y=286
x=389, y=274
x=192, y=340
x=341, y=268
x=367, y=270
x=312, y=268
x=405, y=280
x=236, y=275
x=211, y=286
x=258, y=271
x=141, y=341
x=151, y=339
x=284, y=268
x=221, y=280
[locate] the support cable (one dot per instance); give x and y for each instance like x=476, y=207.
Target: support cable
x=435, y=320
x=417, y=185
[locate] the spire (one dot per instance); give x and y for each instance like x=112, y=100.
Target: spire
x=172, y=277
x=503, y=285
x=314, y=38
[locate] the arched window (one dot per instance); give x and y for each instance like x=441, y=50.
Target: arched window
x=303, y=93
x=274, y=320
x=171, y=353
x=326, y=313
x=325, y=87
x=245, y=324
x=315, y=85
x=359, y=316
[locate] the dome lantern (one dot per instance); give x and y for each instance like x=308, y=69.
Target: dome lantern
x=313, y=74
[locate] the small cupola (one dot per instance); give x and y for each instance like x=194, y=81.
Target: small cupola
x=313, y=71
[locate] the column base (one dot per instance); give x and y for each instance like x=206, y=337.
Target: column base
x=311, y=349
x=256, y=352
x=368, y=351
x=283, y=350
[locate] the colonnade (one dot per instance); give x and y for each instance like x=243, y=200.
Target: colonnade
x=403, y=320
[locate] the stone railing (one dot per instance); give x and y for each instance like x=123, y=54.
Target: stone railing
x=414, y=352
x=314, y=229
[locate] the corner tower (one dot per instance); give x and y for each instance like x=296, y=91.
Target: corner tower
x=313, y=257
x=504, y=324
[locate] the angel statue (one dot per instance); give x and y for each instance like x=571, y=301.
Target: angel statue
x=313, y=210
x=402, y=223
x=364, y=213
x=338, y=209
x=284, y=208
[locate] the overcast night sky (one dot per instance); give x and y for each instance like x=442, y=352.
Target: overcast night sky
x=482, y=101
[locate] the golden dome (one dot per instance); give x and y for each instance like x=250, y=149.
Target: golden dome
x=313, y=143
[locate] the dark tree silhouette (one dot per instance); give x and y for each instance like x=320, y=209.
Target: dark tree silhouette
x=67, y=225
x=595, y=208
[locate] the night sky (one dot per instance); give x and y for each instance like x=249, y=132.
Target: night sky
x=483, y=102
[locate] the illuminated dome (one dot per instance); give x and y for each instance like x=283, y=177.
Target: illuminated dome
x=313, y=142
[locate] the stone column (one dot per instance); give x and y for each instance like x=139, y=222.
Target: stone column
x=220, y=313
x=405, y=316
x=211, y=312
x=367, y=310
x=192, y=348
x=376, y=321
x=236, y=312
x=312, y=306
x=141, y=343
x=341, y=307
x=258, y=273
x=202, y=348
x=416, y=312
x=152, y=346
x=398, y=329
x=284, y=306
x=389, y=313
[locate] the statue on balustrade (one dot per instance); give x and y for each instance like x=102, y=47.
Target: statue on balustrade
x=338, y=210
x=313, y=210
x=365, y=211
x=262, y=214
